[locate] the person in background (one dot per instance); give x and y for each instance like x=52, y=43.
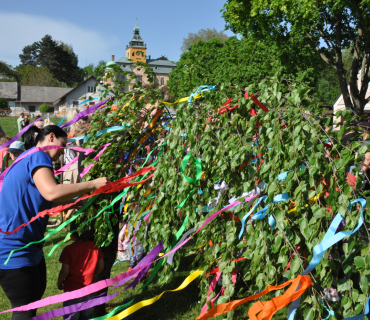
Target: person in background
x=4, y=155
x=29, y=188
x=15, y=149
x=20, y=123
x=26, y=122
x=81, y=261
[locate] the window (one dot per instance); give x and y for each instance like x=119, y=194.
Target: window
x=32, y=108
x=91, y=89
x=123, y=78
x=139, y=79
x=75, y=103
x=162, y=81
x=133, y=53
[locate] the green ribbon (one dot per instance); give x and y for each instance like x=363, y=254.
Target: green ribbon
x=114, y=311
x=75, y=216
x=161, y=262
x=198, y=167
x=198, y=174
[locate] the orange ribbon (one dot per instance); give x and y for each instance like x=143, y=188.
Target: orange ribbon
x=267, y=309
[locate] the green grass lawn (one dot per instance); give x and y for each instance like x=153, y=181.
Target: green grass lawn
x=9, y=124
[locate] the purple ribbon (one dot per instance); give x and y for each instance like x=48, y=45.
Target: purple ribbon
x=18, y=135
x=146, y=260
x=84, y=113
x=74, y=308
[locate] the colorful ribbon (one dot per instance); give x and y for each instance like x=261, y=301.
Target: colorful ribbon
x=148, y=302
x=268, y=308
x=84, y=113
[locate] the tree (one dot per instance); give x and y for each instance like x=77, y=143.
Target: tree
x=3, y=103
x=92, y=70
x=7, y=73
x=242, y=61
x=290, y=135
x=44, y=108
x=57, y=57
x=204, y=35
x=36, y=76
x=328, y=27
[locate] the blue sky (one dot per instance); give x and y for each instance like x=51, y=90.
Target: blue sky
x=99, y=29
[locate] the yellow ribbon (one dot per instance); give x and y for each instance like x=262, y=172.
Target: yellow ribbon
x=199, y=95
x=148, y=302
x=312, y=200
x=148, y=130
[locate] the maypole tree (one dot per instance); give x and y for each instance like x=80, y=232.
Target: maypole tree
x=264, y=142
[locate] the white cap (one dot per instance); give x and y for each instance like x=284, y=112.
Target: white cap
x=16, y=146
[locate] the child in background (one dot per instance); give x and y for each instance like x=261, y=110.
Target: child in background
x=15, y=149
x=4, y=155
x=81, y=261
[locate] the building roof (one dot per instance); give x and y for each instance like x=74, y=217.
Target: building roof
x=64, y=94
x=124, y=60
x=160, y=62
x=9, y=90
x=40, y=94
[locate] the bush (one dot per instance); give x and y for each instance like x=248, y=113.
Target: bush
x=44, y=108
x=3, y=104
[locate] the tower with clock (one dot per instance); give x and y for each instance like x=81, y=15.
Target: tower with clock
x=136, y=50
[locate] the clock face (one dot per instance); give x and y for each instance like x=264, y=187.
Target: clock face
x=138, y=53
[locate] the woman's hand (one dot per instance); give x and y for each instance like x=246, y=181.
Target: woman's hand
x=100, y=182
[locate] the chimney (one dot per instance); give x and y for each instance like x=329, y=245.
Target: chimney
x=149, y=57
x=112, y=57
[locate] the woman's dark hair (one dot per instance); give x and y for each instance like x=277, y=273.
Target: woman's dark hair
x=30, y=137
x=58, y=132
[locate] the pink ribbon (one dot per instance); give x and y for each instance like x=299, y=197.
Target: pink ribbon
x=88, y=168
x=210, y=290
x=106, y=283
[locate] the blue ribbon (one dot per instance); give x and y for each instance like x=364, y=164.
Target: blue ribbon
x=61, y=121
x=261, y=214
x=99, y=133
x=200, y=90
x=249, y=213
x=330, y=238
x=284, y=175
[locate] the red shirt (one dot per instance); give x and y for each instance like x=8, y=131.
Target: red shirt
x=82, y=258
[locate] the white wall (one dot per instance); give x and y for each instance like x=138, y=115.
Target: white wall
x=80, y=94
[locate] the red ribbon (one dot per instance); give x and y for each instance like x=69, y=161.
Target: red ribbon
x=115, y=186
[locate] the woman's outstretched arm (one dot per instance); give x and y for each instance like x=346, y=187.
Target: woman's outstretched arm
x=51, y=191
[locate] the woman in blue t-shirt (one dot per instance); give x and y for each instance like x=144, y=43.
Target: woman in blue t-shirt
x=30, y=187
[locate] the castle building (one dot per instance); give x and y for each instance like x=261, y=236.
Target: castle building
x=136, y=51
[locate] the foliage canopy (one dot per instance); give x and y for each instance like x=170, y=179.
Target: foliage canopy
x=327, y=26
x=57, y=57
x=202, y=35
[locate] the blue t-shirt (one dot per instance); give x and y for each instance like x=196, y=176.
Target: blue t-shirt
x=19, y=202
